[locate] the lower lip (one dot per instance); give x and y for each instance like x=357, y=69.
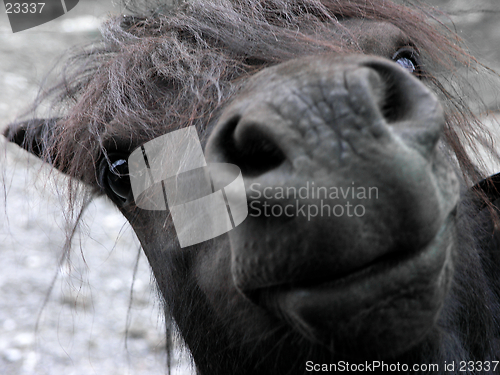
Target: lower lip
x=384, y=279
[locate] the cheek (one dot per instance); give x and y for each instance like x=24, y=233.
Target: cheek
x=212, y=270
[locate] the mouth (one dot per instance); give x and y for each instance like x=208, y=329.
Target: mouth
x=394, y=298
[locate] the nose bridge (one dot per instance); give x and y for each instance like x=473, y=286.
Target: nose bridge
x=325, y=111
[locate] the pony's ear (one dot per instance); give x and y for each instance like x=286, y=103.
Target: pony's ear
x=31, y=135
x=34, y=136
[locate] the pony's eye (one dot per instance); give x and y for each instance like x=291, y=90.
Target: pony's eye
x=407, y=58
x=407, y=64
x=114, y=177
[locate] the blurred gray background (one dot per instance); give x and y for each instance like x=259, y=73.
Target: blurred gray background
x=89, y=323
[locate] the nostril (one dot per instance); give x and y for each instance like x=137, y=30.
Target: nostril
x=247, y=146
x=377, y=91
x=394, y=106
x=256, y=153
x=402, y=96
x=408, y=105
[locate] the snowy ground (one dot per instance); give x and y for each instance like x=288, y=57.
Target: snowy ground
x=83, y=321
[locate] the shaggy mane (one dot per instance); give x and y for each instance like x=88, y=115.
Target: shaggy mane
x=175, y=66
